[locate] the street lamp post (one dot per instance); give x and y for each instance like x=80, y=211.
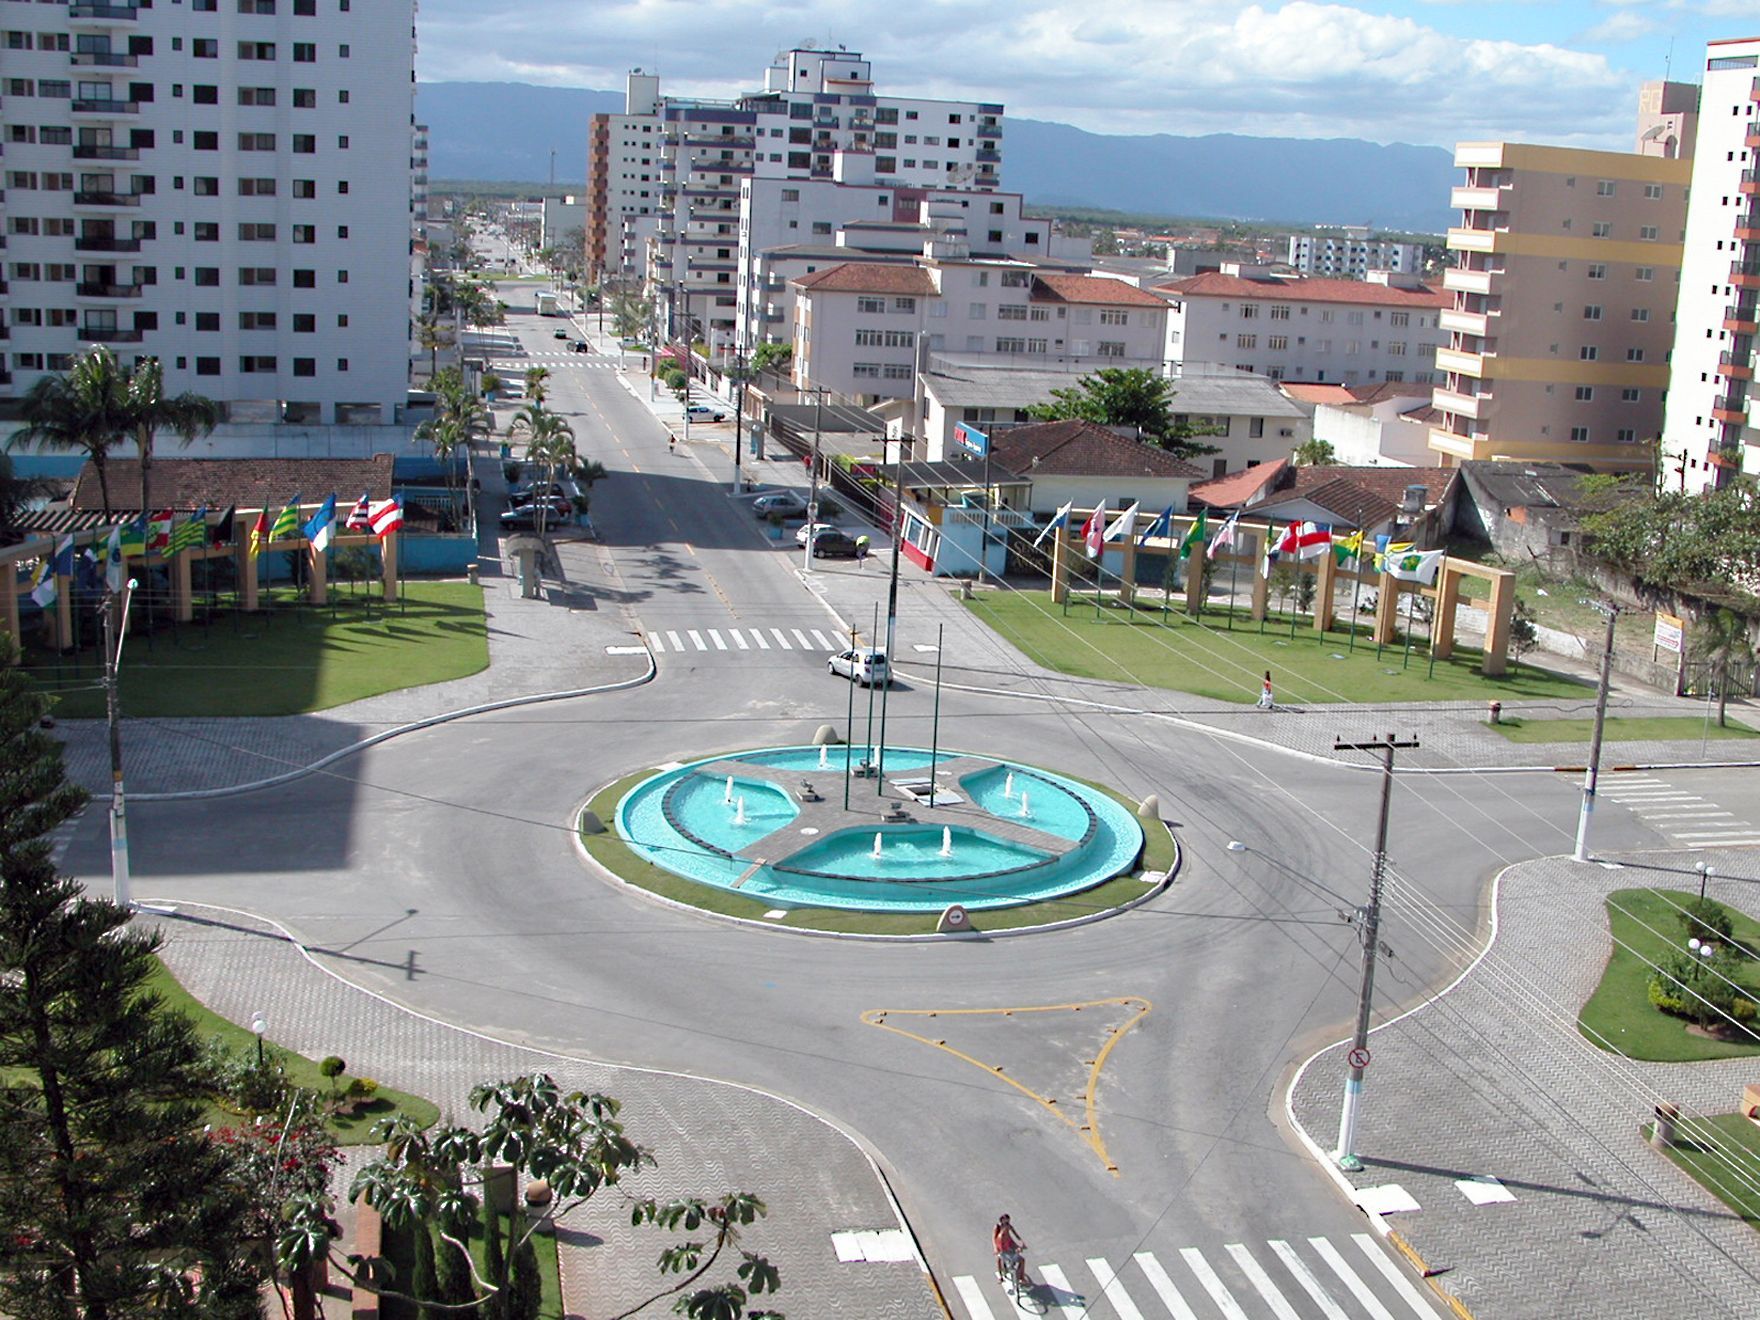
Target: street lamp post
x=115, y=631
x=813, y=478
x=1592, y=772
x=1705, y=873
x=259, y=1024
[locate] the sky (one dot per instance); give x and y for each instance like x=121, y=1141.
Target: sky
x=1432, y=72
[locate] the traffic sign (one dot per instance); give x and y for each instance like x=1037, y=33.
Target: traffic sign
x=1358, y=1058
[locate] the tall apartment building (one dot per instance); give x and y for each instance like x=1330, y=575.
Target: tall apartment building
x=623, y=175
x=223, y=185
x=1350, y=253
x=1564, y=274
x=1712, y=430
x=1346, y=332
x=1668, y=119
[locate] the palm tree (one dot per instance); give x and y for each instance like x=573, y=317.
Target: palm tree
x=1721, y=639
x=535, y=378
x=190, y=416
x=459, y=418
x=84, y=409
x=433, y=339
x=549, y=443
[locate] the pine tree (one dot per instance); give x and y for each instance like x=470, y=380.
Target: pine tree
x=494, y=1262
x=113, y=1205
x=525, y=1290
x=424, y=1283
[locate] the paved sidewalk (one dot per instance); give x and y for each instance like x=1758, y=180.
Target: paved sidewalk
x=708, y=1137
x=1493, y=1079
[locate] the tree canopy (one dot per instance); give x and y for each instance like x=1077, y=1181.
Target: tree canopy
x=1126, y=396
x=1704, y=544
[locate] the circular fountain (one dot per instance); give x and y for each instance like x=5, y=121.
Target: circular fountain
x=952, y=828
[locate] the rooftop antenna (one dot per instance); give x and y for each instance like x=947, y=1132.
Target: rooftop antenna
x=1668, y=60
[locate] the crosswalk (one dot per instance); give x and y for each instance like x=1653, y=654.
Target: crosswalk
x=732, y=641
x=1685, y=817
x=1287, y=1280
x=556, y=359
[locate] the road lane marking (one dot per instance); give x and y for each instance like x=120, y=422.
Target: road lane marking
x=1389, y=1271
x=1162, y=1282
x=758, y=637
x=969, y=1293
x=823, y=642
x=1350, y=1278
x=696, y=639
x=1256, y=1276
x=673, y=637
x=654, y=644
x=1305, y=1277
x=739, y=639
x=1213, y=1285
x=782, y=641
x=801, y=637
x=1111, y=1286
x=1076, y=1308
x=716, y=638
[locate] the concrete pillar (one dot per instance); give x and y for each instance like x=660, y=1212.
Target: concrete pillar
x=1059, y=567
x=1500, y=608
x=388, y=564
x=9, y=604
x=247, y=575
x=1194, y=578
x=1261, y=583
x=1325, y=574
x=1448, y=597
x=1386, y=609
x=63, y=612
x=182, y=601
x=318, y=592
x=1127, y=573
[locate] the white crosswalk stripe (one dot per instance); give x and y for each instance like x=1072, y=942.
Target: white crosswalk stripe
x=696, y=639
x=1256, y=1293
x=729, y=641
x=824, y=643
x=1690, y=820
x=673, y=638
x=715, y=637
x=739, y=639
x=801, y=637
x=760, y=639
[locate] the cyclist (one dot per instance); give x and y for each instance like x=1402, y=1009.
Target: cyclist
x=1009, y=1245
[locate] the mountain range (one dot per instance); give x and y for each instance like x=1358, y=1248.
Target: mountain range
x=519, y=133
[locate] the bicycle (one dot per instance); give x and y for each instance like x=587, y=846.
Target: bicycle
x=1013, y=1272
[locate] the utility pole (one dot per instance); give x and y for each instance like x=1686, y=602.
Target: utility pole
x=891, y=615
x=739, y=412
x=1370, y=932
x=684, y=338
x=1592, y=772
x=115, y=629
x=813, y=477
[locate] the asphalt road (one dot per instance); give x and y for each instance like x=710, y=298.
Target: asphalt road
x=438, y=867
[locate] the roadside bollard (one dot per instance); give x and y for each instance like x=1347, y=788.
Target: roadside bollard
x=1495, y=711
x=1662, y=1134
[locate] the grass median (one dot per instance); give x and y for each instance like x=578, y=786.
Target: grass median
x=610, y=851
x=1207, y=658
x=289, y=660
x=1664, y=728
x=1722, y=1154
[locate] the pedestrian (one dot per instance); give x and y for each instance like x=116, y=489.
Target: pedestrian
x=1266, y=701
x=861, y=549
x=671, y=444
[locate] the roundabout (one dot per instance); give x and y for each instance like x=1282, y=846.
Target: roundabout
x=804, y=830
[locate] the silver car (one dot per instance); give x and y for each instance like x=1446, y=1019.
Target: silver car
x=862, y=664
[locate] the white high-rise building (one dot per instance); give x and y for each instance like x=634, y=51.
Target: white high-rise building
x=1711, y=430
x=226, y=186
x=1351, y=253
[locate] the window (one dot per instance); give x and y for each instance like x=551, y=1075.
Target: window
x=305, y=188
x=1246, y=341
x=208, y=321
x=1579, y=433
x=256, y=50
x=256, y=187
x=256, y=275
x=1653, y=192
x=203, y=186
x=208, y=276
x=305, y=98
x=976, y=311
x=1111, y=317
x=1597, y=271
x=1647, y=233
x=1014, y=279
x=206, y=48
x=1011, y=345
x=1630, y=395
x=1585, y=394
x=205, y=140
x=1249, y=311
x=1604, y=188
x=1279, y=312
x=250, y=95
x=1592, y=312
x=1110, y=348
x=256, y=142
x=904, y=304
x=1646, y=274
x=256, y=320
x=305, y=52
x=1634, y=355
x=305, y=323
x=304, y=233
x=1588, y=353
x=207, y=366
x=1011, y=312
x=1640, y=313
x=1277, y=342
x=1603, y=229
x=870, y=304
x=305, y=144
x=1399, y=318
x=251, y=232
x=1255, y=428
x=208, y=94
x=1396, y=348
x=250, y=365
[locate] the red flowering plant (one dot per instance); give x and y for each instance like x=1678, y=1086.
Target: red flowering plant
x=283, y=1163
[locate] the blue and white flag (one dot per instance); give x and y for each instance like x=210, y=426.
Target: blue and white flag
x=44, y=588
x=1058, y=519
x=1160, y=525
x=320, y=529
x=1122, y=526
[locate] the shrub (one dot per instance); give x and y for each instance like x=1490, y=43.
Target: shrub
x=1706, y=918
x=362, y=1088
x=331, y=1066
x=1743, y=1010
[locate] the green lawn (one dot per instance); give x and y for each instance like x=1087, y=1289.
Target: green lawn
x=288, y=660
x=1682, y=727
x=611, y=853
x=1618, y=1017
x=301, y=1071
x=1722, y=1154
x=1210, y=660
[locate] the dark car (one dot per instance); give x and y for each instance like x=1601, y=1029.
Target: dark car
x=559, y=334
x=580, y=346
x=520, y=496
x=834, y=543
x=526, y=515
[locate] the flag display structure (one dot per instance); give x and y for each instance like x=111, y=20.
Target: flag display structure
x=360, y=517
x=1347, y=550
x=1284, y=545
x=115, y=564
x=320, y=528
x=387, y=516
x=1224, y=538
x=1195, y=535
x=44, y=588
x=225, y=531
x=286, y=522
x=259, y=533
x=159, y=532
x=134, y=536
x=1058, y=519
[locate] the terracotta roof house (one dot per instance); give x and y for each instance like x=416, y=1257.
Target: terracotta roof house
x=1085, y=463
x=869, y=277
x=188, y=484
x=1372, y=498
x=1098, y=290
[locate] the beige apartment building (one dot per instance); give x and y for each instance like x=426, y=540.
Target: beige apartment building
x=1564, y=273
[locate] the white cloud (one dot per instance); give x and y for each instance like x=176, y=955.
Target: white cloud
x=1301, y=69
x=1620, y=26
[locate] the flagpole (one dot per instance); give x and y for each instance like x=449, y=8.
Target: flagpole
x=1356, y=594
x=1408, y=653
x=935, y=717
x=849, y=722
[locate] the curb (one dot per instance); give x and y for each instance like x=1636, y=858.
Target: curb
x=859, y=1143
x=593, y=864
x=1429, y=1276
x=415, y=726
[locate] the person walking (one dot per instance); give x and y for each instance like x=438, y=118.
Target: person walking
x=1266, y=700
x=861, y=550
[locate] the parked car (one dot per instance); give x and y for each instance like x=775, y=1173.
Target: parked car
x=580, y=346
x=835, y=543
x=809, y=531
x=698, y=412
x=559, y=333
x=559, y=510
x=788, y=503
x=520, y=496
x=863, y=665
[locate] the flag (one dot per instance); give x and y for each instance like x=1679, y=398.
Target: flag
x=1224, y=538
x=359, y=518
x=1347, y=550
x=320, y=528
x=1092, y=531
x=134, y=536
x=115, y=564
x=44, y=588
x=1160, y=525
x=1196, y=534
x=1386, y=548
x=1313, y=540
x=1121, y=528
x=191, y=533
x=223, y=532
x=286, y=522
x=1285, y=545
x=387, y=516
x=259, y=533
x=159, y=532
x=1058, y=519
x=1416, y=565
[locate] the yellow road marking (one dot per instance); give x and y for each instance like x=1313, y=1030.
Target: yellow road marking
x=1089, y=1129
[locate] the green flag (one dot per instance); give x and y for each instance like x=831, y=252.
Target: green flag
x=1196, y=535
x=191, y=533
x=286, y=522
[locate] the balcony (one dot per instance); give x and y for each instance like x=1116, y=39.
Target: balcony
x=1745, y=274
x=106, y=107
x=1750, y=184
x=1473, y=240
x=1730, y=408
x=1736, y=366
x=110, y=334
x=1444, y=441
x=1748, y=228
x=1462, y=364
x=1741, y=318
x=106, y=199
x=989, y=128
x=99, y=243
x=108, y=290
x=1477, y=199
x=1476, y=406
x=1467, y=323
x=985, y=153
x=104, y=13
x=85, y=152
x=1752, y=137
x=109, y=59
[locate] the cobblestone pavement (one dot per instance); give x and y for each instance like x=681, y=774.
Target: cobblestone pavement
x=1493, y=1079
x=708, y=1137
